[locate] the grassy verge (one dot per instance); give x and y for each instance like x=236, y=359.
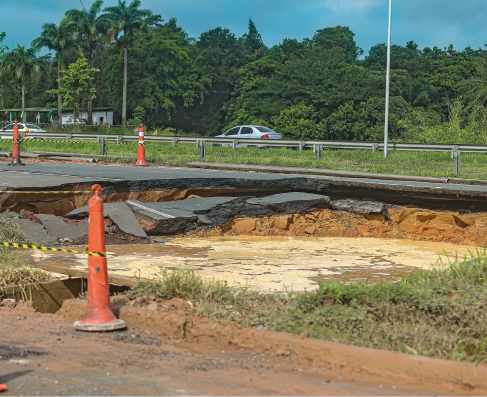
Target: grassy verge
x=11, y=272
x=433, y=164
x=438, y=313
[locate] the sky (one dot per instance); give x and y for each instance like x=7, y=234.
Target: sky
x=427, y=22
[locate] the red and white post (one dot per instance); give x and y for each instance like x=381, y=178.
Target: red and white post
x=16, y=147
x=141, y=151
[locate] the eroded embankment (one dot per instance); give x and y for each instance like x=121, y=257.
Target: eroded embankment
x=396, y=222
x=244, y=216
x=61, y=204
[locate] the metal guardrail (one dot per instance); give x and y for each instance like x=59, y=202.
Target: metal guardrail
x=317, y=146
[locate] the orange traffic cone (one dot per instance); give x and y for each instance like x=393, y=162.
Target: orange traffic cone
x=3, y=387
x=16, y=147
x=141, y=152
x=98, y=316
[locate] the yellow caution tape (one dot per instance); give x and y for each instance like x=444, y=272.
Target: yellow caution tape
x=36, y=247
x=47, y=192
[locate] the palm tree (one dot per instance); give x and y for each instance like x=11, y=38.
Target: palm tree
x=60, y=39
x=127, y=20
x=89, y=26
x=23, y=63
x=476, y=87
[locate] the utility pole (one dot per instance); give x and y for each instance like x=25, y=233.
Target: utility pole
x=388, y=79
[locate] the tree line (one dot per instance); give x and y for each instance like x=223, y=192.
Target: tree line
x=321, y=87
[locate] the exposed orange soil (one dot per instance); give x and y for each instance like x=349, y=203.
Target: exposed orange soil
x=399, y=223
x=167, y=352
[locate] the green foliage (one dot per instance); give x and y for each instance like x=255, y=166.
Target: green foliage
x=340, y=37
x=169, y=131
x=185, y=284
x=135, y=121
x=2, y=47
x=218, y=81
x=299, y=122
x=252, y=40
x=436, y=313
x=139, y=113
x=77, y=85
x=23, y=63
x=57, y=38
x=169, y=79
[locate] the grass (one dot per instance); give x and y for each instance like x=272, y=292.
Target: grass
x=11, y=273
x=432, y=164
x=438, y=313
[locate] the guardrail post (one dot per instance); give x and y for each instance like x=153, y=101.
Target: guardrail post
x=103, y=142
x=119, y=139
x=202, y=150
x=318, y=149
x=301, y=145
x=457, y=159
x=174, y=141
x=375, y=147
x=234, y=143
x=68, y=137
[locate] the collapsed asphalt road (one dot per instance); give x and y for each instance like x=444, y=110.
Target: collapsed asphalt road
x=135, y=219
x=183, y=182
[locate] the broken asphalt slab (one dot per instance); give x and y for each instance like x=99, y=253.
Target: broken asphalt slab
x=119, y=213
x=61, y=230
x=205, y=212
x=32, y=230
x=293, y=202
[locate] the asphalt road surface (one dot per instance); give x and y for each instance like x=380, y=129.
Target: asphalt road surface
x=115, y=178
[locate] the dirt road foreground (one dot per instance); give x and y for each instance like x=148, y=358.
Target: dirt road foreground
x=166, y=352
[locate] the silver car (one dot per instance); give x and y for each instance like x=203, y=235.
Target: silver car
x=249, y=132
x=9, y=129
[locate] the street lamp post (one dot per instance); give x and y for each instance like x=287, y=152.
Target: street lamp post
x=388, y=78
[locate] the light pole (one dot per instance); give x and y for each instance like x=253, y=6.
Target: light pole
x=388, y=78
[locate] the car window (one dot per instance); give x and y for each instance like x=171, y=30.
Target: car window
x=246, y=130
x=10, y=127
x=233, y=131
x=264, y=129
x=34, y=127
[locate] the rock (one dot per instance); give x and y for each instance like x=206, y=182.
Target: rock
x=376, y=218
x=448, y=219
x=24, y=214
x=363, y=229
x=359, y=207
x=245, y=225
x=282, y=222
x=424, y=216
x=400, y=216
x=281, y=352
x=310, y=230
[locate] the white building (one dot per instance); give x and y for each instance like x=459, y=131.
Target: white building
x=101, y=116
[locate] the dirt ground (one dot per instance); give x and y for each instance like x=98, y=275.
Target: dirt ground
x=41, y=354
